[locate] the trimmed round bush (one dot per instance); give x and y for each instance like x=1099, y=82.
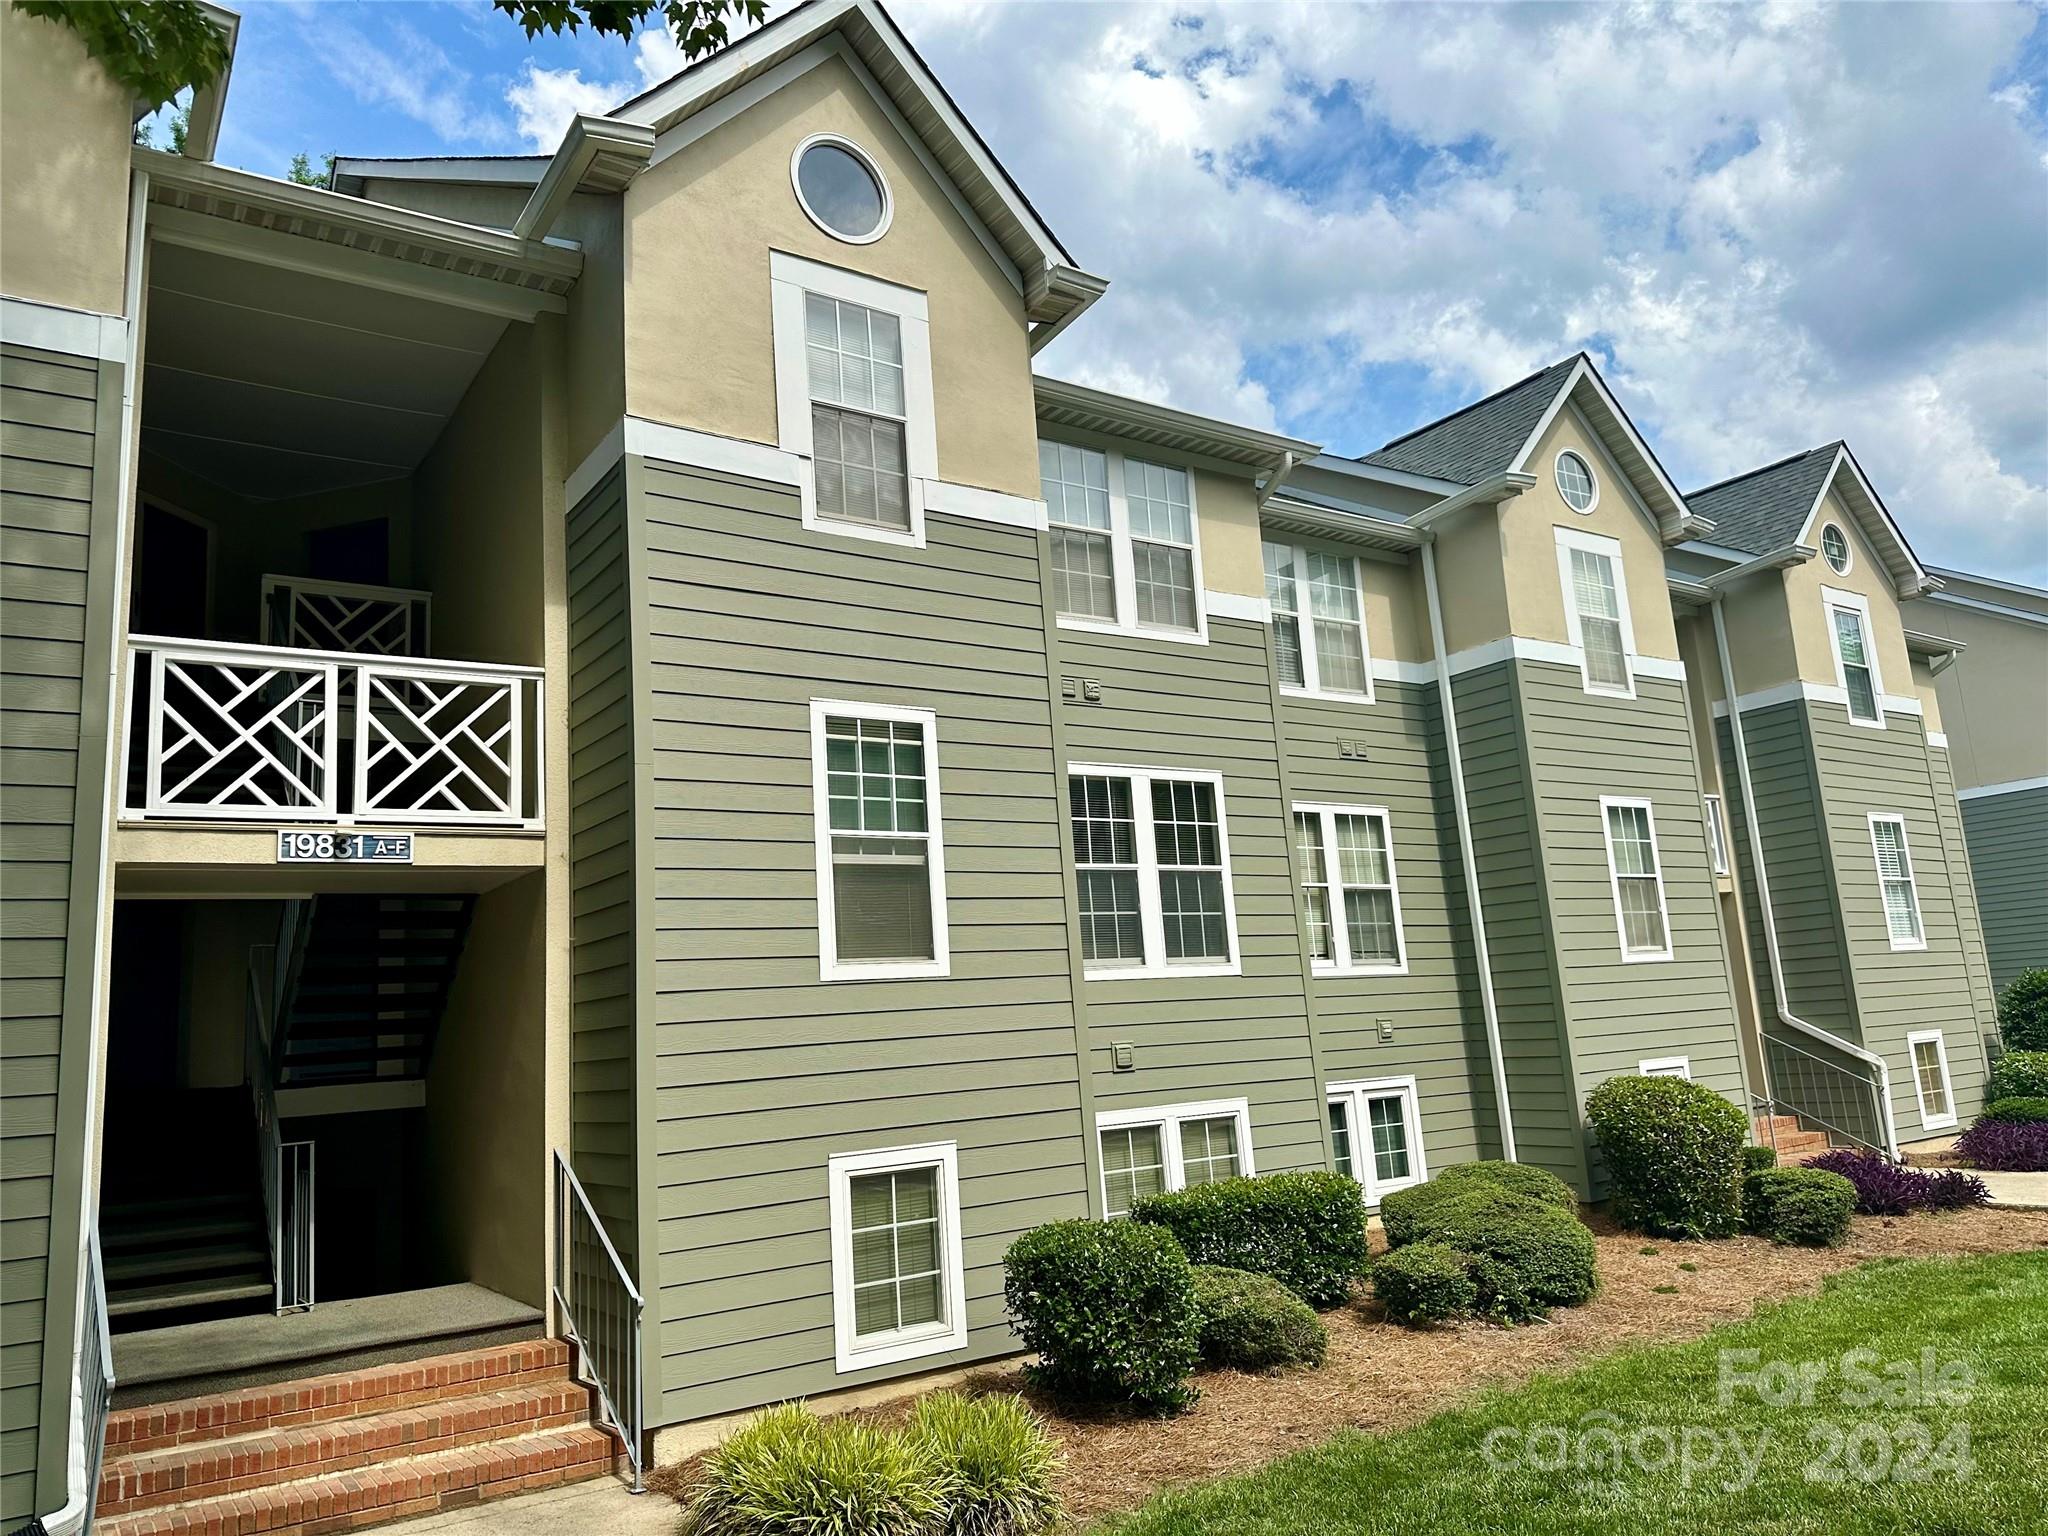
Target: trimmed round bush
x=1806, y=1207
x=1757, y=1159
x=1408, y=1215
x=2016, y=1112
x=1000, y=1462
x=1674, y=1155
x=787, y=1470
x=1306, y=1230
x=1254, y=1323
x=2002, y=1147
x=2018, y=1075
x=1424, y=1283
x=2023, y=1011
x=1516, y=1178
x=1109, y=1308
x=1526, y=1256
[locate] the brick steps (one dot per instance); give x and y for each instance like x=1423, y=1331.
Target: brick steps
x=352, y=1449
x=1793, y=1142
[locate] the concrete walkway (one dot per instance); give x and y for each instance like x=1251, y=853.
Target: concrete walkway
x=2022, y=1191
x=601, y=1507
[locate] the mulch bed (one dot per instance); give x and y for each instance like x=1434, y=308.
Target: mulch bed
x=1380, y=1376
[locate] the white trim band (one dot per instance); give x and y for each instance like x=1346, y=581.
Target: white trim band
x=77, y=332
x=2009, y=787
x=1824, y=693
x=1235, y=605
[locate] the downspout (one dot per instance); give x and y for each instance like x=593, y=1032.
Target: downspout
x=1763, y=897
x=1497, y=489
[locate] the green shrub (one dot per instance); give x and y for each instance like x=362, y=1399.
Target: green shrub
x=1674, y=1155
x=1809, y=1207
x=1424, y=1283
x=1515, y=1178
x=1000, y=1462
x=2018, y=1075
x=1757, y=1159
x=1254, y=1323
x=1407, y=1214
x=1306, y=1230
x=1524, y=1257
x=1109, y=1307
x=2023, y=1012
x=2016, y=1112
x=785, y=1470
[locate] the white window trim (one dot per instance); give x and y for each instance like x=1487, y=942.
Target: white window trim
x=1848, y=544
x=1912, y=881
x=1569, y=539
x=1628, y=956
x=1591, y=474
x=950, y=1333
x=1151, y=920
x=1305, y=623
x=1340, y=939
x=790, y=278
x=1122, y=564
x=1666, y=1066
x=1948, y=1083
x=1832, y=598
x=839, y=141
x=1168, y=1118
x=1717, y=836
x=1353, y=1096
x=830, y=966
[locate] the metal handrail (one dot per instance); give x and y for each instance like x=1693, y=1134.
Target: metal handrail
x=95, y=1371
x=286, y=1167
x=1824, y=1094
x=601, y=1312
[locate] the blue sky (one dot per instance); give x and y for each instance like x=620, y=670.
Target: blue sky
x=1774, y=225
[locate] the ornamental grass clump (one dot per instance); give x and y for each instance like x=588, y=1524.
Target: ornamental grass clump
x=999, y=1459
x=1674, y=1155
x=1885, y=1188
x=785, y=1470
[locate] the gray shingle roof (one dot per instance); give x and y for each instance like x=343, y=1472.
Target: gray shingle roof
x=1482, y=439
x=1764, y=510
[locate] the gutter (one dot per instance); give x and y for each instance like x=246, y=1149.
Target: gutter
x=587, y=138
x=1499, y=488
x=1763, y=884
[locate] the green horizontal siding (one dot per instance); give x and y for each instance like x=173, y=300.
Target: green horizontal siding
x=760, y=1070
x=2008, y=841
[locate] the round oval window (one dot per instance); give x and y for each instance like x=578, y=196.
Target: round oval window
x=841, y=192
x=1575, y=481
x=1835, y=545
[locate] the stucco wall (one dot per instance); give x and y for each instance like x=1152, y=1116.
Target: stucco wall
x=699, y=229
x=1866, y=576
x=1990, y=741
x=64, y=137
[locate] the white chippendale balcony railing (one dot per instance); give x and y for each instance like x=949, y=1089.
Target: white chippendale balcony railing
x=222, y=732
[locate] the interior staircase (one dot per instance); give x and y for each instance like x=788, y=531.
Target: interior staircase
x=183, y=1235
x=352, y=1449
x=365, y=992
x=1794, y=1143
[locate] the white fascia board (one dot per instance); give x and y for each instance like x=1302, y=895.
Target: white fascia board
x=1845, y=459
x=1337, y=464
x=1584, y=371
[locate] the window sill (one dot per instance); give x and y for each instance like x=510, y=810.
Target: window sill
x=1158, y=972
x=1869, y=725
x=1914, y=946
x=894, y=1348
x=882, y=970
x=1645, y=957
x=1324, y=696
x=1938, y=1123
x=1607, y=691
x=1339, y=972
x=1135, y=631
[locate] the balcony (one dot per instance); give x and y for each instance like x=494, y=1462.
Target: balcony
x=340, y=724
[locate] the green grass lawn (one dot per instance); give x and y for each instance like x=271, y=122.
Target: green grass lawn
x=1896, y=1455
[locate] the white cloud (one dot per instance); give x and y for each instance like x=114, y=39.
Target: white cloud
x=1786, y=223
x=544, y=100
x=412, y=77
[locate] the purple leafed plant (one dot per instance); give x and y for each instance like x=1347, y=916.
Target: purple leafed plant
x=2005, y=1148
x=1888, y=1189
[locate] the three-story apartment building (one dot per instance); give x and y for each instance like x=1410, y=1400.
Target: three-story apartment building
x=590, y=720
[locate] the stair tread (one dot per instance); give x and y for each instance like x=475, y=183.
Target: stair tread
x=187, y=1293
x=243, y=1255
x=580, y=1451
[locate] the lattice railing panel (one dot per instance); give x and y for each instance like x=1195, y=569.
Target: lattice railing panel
x=240, y=736
x=339, y=616
x=439, y=746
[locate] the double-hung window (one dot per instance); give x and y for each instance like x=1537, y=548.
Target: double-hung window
x=1318, y=621
x=1125, y=554
x=881, y=862
x=1376, y=1134
x=1637, y=875
x=1717, y=833
x=897, y=1283
x=853, y=398
x=1855, y=657
x=1351, y=904
x=1152, y=871
x=1895, y=882
x=1147, y=1151
x=1596, y=610
x=1930, y=1078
